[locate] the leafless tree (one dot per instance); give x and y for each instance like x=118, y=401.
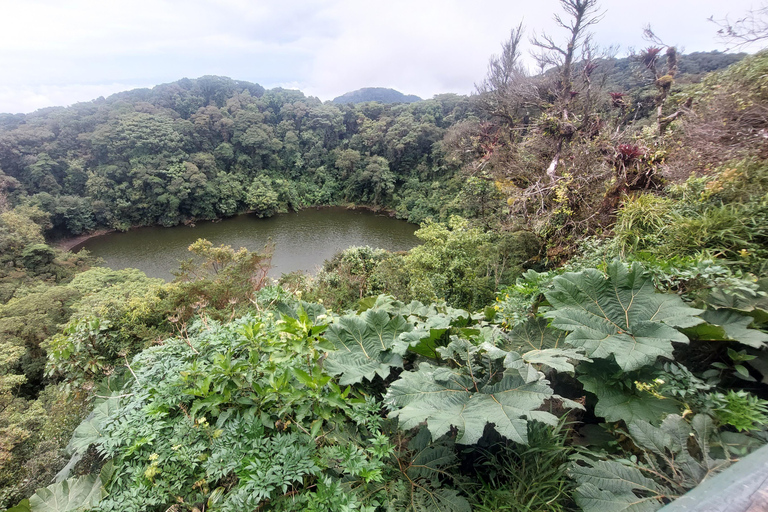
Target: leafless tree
x=579, y=16
x=508, y=92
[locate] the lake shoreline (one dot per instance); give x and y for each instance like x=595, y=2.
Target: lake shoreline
x=67, y=244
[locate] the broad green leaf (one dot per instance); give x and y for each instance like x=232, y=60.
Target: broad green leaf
x=655, y=439
x=612, y=486
x=619, y=315
x=616, y=404
x=415, y=308
x=430, y=334
x=365, y=346
x=446, y=399
x=673, y=437
x=724, y=324
x=425, y=464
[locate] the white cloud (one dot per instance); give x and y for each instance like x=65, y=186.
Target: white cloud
x=53, y=51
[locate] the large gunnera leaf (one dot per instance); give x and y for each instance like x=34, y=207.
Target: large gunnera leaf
x=619, y=315
x=610, y=486
x=446, y=398
x=366, y=345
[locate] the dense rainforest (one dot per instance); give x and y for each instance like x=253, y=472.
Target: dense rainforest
x=582, y=328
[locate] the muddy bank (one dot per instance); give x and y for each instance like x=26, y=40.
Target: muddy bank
x=67, y=244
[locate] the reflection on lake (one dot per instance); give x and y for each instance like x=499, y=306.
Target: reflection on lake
x=303, y=240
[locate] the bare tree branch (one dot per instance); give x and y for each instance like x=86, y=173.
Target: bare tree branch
x=750, y=28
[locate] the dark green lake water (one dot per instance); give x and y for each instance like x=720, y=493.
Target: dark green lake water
x=303, y=240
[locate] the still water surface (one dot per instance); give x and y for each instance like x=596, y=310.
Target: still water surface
x=303, y=240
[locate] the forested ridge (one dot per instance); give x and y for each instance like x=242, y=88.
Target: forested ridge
x=582, y=328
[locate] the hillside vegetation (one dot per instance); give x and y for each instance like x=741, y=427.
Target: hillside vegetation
x=582, y=328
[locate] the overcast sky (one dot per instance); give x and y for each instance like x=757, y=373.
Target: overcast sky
x=55, y=52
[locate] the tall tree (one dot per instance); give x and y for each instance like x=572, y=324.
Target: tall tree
x=507, y=92
x=580, y=15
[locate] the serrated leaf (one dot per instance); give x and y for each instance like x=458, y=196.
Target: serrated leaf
x=652, y=438
x=612, y=476
x=591, y=498
x=619, y=315
x=429, y=458
x=365, y=345
x=446, y=399
x=415, y=308
x=423, y=341
x=439, y=500
x=429, y=334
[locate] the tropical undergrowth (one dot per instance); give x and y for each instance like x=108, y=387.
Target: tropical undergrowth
x=418, y=406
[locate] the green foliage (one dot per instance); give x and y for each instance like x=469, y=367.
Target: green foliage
x=674, y=458
x=516, y=303
x=467, y=398
x=282, y=411
x=463, y=265
x=721, y=215
x=724, y=325
x=116, y=315
x=219, y=277
x=424, y=466
x=540, y=344
x=626, y=396
x=248, y=401
x=526, y=478
x=747, y=298
x=20, y=228
x=348, y=277
x=739, y=409
x=214, y=147
x=641, y=222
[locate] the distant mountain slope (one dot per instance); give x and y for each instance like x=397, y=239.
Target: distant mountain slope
x=380, y=94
